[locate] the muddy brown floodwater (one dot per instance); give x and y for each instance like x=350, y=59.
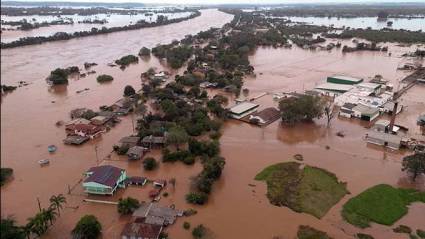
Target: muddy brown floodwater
x=235, y=210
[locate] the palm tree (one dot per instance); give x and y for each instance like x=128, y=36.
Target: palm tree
x=57, y=201
x=50, y=214
x=38, y=224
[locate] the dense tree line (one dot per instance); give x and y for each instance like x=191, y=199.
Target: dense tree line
x=94, y=31
x=383, y=35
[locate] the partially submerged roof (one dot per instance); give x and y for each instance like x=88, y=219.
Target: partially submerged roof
x=106, y=174
x=334, y=87
x=242, y=107
x=268, y=114
x=141, y=230
x=155, y=213
x=383, y=122
x=136, y=150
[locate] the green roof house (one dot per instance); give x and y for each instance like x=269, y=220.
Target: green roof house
x=104, y=180
x=345, y=80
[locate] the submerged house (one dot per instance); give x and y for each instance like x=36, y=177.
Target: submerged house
x=136, y=152
x=243, y=109
x=84, y=130
x=104, y=180
x=152, y=213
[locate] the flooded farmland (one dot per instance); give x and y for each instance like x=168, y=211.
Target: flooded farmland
x=235, y=209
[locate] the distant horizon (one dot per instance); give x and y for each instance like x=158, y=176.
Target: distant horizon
x=220, y=2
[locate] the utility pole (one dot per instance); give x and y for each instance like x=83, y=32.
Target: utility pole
x=39, y=204
x=97, y=158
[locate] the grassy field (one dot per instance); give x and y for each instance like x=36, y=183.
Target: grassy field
x=382, y=204
x=307, y=232
x=308, y=189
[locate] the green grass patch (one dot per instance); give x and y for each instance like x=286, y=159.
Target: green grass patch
x=311, y=190
x=382, y=204
x=307, y=232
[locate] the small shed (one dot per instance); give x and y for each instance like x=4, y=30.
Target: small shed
x=135, y=152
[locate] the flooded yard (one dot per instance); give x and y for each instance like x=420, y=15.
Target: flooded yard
x=235, y=209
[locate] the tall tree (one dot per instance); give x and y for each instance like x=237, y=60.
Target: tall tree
x=329, y=111
x=414, y=164
x=302, y=108
x=57, y=201
x=9, y=229
x=177, y=136
x=88, y=227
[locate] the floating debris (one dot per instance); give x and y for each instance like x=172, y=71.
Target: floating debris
x=51, y=148
x=44, y=162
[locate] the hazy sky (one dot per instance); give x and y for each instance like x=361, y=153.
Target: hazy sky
x=231, y=1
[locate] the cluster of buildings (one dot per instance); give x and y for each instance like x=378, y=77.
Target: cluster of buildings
x=248, y=112
x=87, y=124
x=149, y=220
x=358, y=99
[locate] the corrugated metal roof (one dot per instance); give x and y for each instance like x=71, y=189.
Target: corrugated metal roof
x=347, y=78
x=334, y=87
x=242, y=107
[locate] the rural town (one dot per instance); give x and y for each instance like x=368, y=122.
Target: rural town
x=213, y=119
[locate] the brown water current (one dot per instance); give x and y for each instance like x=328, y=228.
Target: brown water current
x=235, y=210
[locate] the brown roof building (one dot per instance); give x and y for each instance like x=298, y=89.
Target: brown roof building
x=141, y=231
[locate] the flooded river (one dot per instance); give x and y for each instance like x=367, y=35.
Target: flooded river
x=235, y=210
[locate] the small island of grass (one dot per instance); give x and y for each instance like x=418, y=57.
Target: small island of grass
x=382, y=204
x=303, y=189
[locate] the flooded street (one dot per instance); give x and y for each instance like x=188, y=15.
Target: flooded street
x=235, y=209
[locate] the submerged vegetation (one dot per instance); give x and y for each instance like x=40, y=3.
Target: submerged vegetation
x=302, y=188
x=5, y=174
x=124, y=61
x=307, y=232
x=59, y=76
x=382, y=204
